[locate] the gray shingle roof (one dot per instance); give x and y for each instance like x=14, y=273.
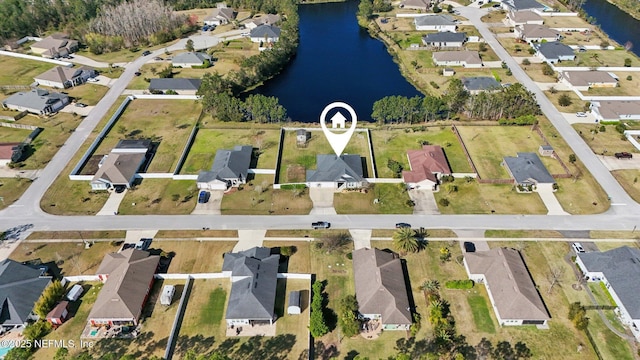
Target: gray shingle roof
x=133, y=144
x=527, y=168
x=480, y=83
x=445, y=36
x=20, y=288
x=62, y=74
x=334, y=168
x=174, y=84
x=195, y=58
x=621, y=267
x=434, y=20
x=269, y=31
x=254, y=275
x=38, y=99
x=229, y=164
x=553, y=49
x=523, y=4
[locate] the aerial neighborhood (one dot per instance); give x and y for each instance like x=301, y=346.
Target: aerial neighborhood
x=319, y=180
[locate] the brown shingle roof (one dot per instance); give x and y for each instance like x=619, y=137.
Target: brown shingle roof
x=587, y=78
x=470, y=57
x=616, y=109
x=380, y=286
x=538, y=31
x=512, y=289
x=524, y=16
x=424, y=163
x=118, y=169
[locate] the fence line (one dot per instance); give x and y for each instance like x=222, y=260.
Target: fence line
x=18, y=126
x=175, y=328
x=36, y=58
x=466, y=151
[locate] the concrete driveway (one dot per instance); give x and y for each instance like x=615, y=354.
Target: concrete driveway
x=73, y=109
x=425, y=202
x=248, y=239
x=620, y=164
x=361, y=238
x=322, y=201
x=6, y=172
x=83, y=60
x=113, y=204
x=550, y=201
x=573, y=119
x=211, y=207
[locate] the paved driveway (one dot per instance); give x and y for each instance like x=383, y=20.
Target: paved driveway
x=550, y=201
x=620, y=164
x=112, y=204
x=425, y=202
x=6, y=172
x=211, y=207
x=248, y=239
x=322, y=201
x=361, y=238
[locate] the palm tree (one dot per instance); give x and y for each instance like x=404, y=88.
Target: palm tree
x=404, y=239
x=430, y=287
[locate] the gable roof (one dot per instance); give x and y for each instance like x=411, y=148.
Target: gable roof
x=538, y=31
x=58, y=310
x=416, y=3
x=468, y=56
x=424, y=163
x=512, y=289
x=229, y=164
x=119, y=168
x=191, y=58
x=445, y=36
x=332, y=168
x=480, y=83
x=62, y=74
x=268, y=19
x=174, y=84
x=36, y=98
x=616, y=109
x=131, y=144
x=524, y=16
x=380, y=285
x=221, y=13
x=268, y=31
x=6, y=150
x=554, y=49
x=527, y=167
x=129, y=275
x=20, y=287
x=254, y=274
x=55, y=42
x=439, y=19
x=621, y=267
x=523, y=4
x=587, y=78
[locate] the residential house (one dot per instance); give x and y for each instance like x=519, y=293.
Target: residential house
x=381, y=289
x=190, y=59
x=36, y=101
x=584, y=80
x=523, y=5
x=518, y=18
x=465, y=58
x=229, y=169
x=121, y=165
x=338, y=172
x=512, y=292
x=180, y=86
x=58, y=314
x=6, y=152
x=545, y=150
x=55, y=46
x=445, y=39
x=220, y=16
x=20, y=287
x=427, y=167
x=254, y=276
x=528, y=171
x=536, y=33
x=63, y=77
x=619, y=270
x=554, y=52
x=128, y=277
x=437, y=22
x=265, y=34
x=268, y=19
x=423, y=5
x=615, y=110
x=477, y=84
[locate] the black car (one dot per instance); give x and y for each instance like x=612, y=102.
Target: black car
x=623, y=155
x=146, y=52
x=402, y=225
x=137, y=73
x=203, y=197
x=320, y=225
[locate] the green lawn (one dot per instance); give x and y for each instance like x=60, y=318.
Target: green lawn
x=17, y=71
x=522, y=234
x=481, y=315
x=88, y=93
x=160, y=196
x=212, y=311
x=610, y=345
x=8, y=134
x=392, y=199
x=259, y=198
x=608, y=141
x=629, y=181
x=393, y=145
x=601, y=58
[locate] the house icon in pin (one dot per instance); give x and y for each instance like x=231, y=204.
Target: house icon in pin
x=337, y=121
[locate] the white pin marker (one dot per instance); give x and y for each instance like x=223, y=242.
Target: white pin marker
x=338, y=140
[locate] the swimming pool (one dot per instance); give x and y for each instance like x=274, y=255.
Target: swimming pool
x=4, y=351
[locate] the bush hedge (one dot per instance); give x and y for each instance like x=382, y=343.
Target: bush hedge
x=293, y=186
x=459, y=284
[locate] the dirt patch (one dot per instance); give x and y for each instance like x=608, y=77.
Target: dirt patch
x=296, y=173
x=91, y=167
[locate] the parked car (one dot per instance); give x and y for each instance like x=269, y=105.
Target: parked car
x=320, y=225
x=137, y=73
x=92, y=80
x=143, y=244
x=81, y=105
x=623, y=155
x=146, y=52
x=582, y=49
x=402, y=225
x=577, y=247
x=157, y=58
x=581, y=114
x=119, y=189
x=203, y=197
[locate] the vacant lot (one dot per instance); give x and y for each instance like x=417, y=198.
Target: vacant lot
x=609, y=140
x=391, y=199
x=167, y=123
x=160, y=196
x=534, y=71
x=259, y=198
x=575, y=104
x=522, y=234
x=189, y=257
x=394, y=144
x=11, y=189
x=514, y=46
x=8, y=134
x=87, y=93
x=17, y=71
x=601, y=58
x=628, y=179
x=488, y=145
x=81, y=235
x=294, y=156
x=208, y=141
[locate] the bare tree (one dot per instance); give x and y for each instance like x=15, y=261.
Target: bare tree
x=555, y=276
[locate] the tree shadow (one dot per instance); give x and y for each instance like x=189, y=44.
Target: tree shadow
x=198, y=343
x=323, y=352
x=351, y=355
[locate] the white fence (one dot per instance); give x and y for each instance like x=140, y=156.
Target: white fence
x=154, y=175
x=194, y=276
x=294, y=276
x=630, y=136
x=556, y=14
x=36, y=58
x=575, y=29
x=384, y=181
x=82, y=278
x=464, y=175
x=166, y=97
x=412, y=15
x=262, y=171
x=28, y=38
x=185, y=177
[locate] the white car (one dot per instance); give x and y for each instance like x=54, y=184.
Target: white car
x=577, y=247
x=92, y=80
x=581, y=114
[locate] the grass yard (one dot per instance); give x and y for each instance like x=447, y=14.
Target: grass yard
x=628, y=85
x=627, y=178
x=124, y=55
x=576, y=104
x=140, y=120
x=258, y=197
x=8, y=134
x=192, y=256
x=609, y=344
x=293, y=156
x=393, y=145
x=208, y=141
x=300, y=261
x=432, y=233
x=599, y=141
x=392, y=199
x=514, y=47
x=180, y=234
x=83, y=235
x=481, y=315
x=11, y=189
x=160, y=196
x=17, y=71
x=603, y=58
x=296, y=325
x=522, y=234
x=494, y=16
x=474, y=198
x=488, y=145
x=534, y=71
x=88, y=93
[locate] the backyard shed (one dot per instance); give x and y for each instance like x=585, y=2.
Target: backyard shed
x=75, y=292
x=167, y=294
x=294, y=303
x=58, y=314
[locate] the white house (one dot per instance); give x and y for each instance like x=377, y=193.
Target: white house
x=62, y=77
x=37, y=101
x=265, y=33
x=189, y=59
x=466, y=58
x=229, y=169
x=615, y=110
x=220, y=16
x=337, y=172
x=554, y=52
x=436, y=22
x=584, y=80
x=445, y=39
x=121, y=165
x=536, y=33
x=516, y=18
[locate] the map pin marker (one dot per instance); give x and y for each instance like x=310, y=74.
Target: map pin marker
x=338, y=140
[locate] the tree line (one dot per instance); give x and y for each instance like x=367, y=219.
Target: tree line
x=511, y=102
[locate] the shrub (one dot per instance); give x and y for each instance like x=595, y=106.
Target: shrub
x=447, y=178
x=547, y=69
x=317, y=323
x=603, y=128
x=526, y=62
x=521, y=120
x=434, y=85
x=206, y=64
x=293, y=187
x=620, y=128
x=48, y=299
x=564, y=100
x=629, y=78
x=443, y=202
x=395, y=167
x=604, y=44
x=287, y=250
x=459, y=284
x=627, y=62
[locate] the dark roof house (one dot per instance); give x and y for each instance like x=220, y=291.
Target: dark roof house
x=20, y=287
x=120, y=166
x=445, y=39
x=180, y=86
x=344, y=171
x=479, y=84
x=554, y=51
x=37, y=101
x=381, y=289
x=254, y=276
x=527, y=169
x=268, y=33
x=230, y=168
